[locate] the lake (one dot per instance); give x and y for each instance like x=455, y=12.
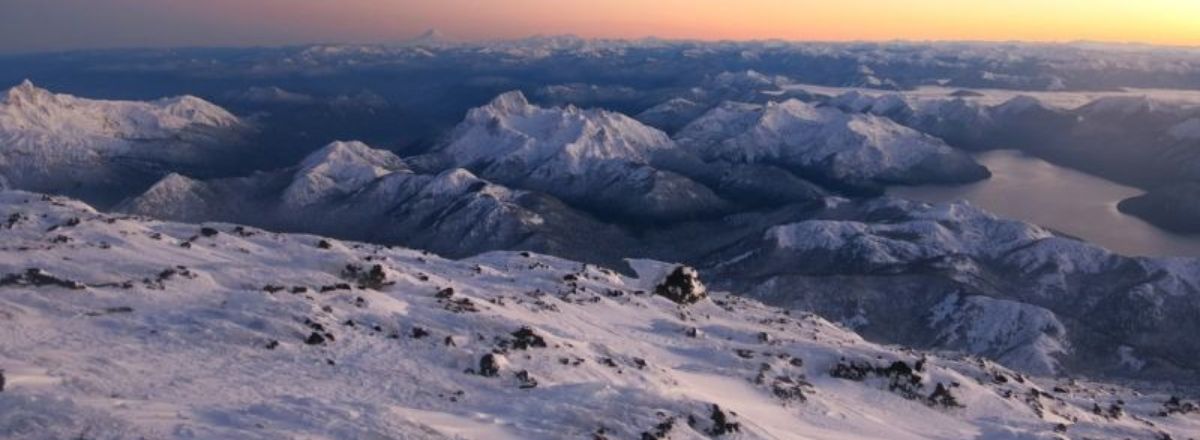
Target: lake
x=1075, y=203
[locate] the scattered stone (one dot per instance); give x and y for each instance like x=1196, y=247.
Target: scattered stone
x=110, y=311
x=1175, y=405
x=789, y=389
x=941, y=397
x=721, y=423
x=418, y=333
x=375, y=278
x=39, y=278
x=461, y=305
x=315, y=339
x=526, y=338
x=527, y=381
x=208, y=232
x=273, y=344
x=490, y=365
x=902, y=380
x=660, y=431
x=324, y=244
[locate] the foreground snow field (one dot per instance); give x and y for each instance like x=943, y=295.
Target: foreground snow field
x=119, y=327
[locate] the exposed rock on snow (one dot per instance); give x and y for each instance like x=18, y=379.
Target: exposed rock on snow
x=682, y=286
x=164, y=341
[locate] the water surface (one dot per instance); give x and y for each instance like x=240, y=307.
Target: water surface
x=1027, y=188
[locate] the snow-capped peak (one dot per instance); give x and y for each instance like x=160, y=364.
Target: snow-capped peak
x=26, y=92
x=510, y=129
x=32, y=109
x=56, y=142
x=851, y=148
x=339, y=168
x=512, y=102
x=354, y=153
x=453, y=181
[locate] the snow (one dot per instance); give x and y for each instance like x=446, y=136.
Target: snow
x=54, y=141
x=28, y=109
x=143, y=351
x=587, y=157
x=554, y=140
x=338, y=169
x=853, y=147
x=927, y=230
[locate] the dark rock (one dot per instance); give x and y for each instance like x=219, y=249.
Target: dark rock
x=374, y=278
x=682, y=286
x=315, y=339
x=39, y=278
x=721, y=424
x=526, y=338
x=489, y=365
x=527, y=380
x=941, y=397
x=660, y=431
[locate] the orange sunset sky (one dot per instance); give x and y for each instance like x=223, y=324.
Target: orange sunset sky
x=31, y=25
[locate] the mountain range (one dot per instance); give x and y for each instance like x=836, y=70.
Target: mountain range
x=558, y=217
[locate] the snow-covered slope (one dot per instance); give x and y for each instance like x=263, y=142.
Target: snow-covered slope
x=827, y=144
x=601, y=160
x=955, y=277
x=350, y=190
x=117, y=327
x=59, y=143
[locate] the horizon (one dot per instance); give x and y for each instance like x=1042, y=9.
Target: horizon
x=40, y=26
x=451, y=40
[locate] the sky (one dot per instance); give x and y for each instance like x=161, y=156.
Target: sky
x=48, y=25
